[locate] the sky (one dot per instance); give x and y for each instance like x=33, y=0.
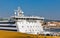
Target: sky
x=46, y=8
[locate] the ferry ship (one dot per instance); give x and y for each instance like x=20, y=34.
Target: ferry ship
x=24, y=24
x=21, y=23
x=28, y=24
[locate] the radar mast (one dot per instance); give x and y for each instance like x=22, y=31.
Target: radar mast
x=19, y=12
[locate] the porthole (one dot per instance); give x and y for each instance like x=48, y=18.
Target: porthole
x=22, y=26
x=32, y=30
x=31, y=26
x=28, y=26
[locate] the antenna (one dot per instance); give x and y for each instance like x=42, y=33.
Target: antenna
x=19, y=10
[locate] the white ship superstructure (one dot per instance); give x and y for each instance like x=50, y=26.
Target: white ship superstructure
x=28, y=24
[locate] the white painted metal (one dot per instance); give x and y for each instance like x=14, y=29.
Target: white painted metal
x=8, y=28
x=28, y=26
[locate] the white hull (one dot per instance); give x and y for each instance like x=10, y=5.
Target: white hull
x=31, y=28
